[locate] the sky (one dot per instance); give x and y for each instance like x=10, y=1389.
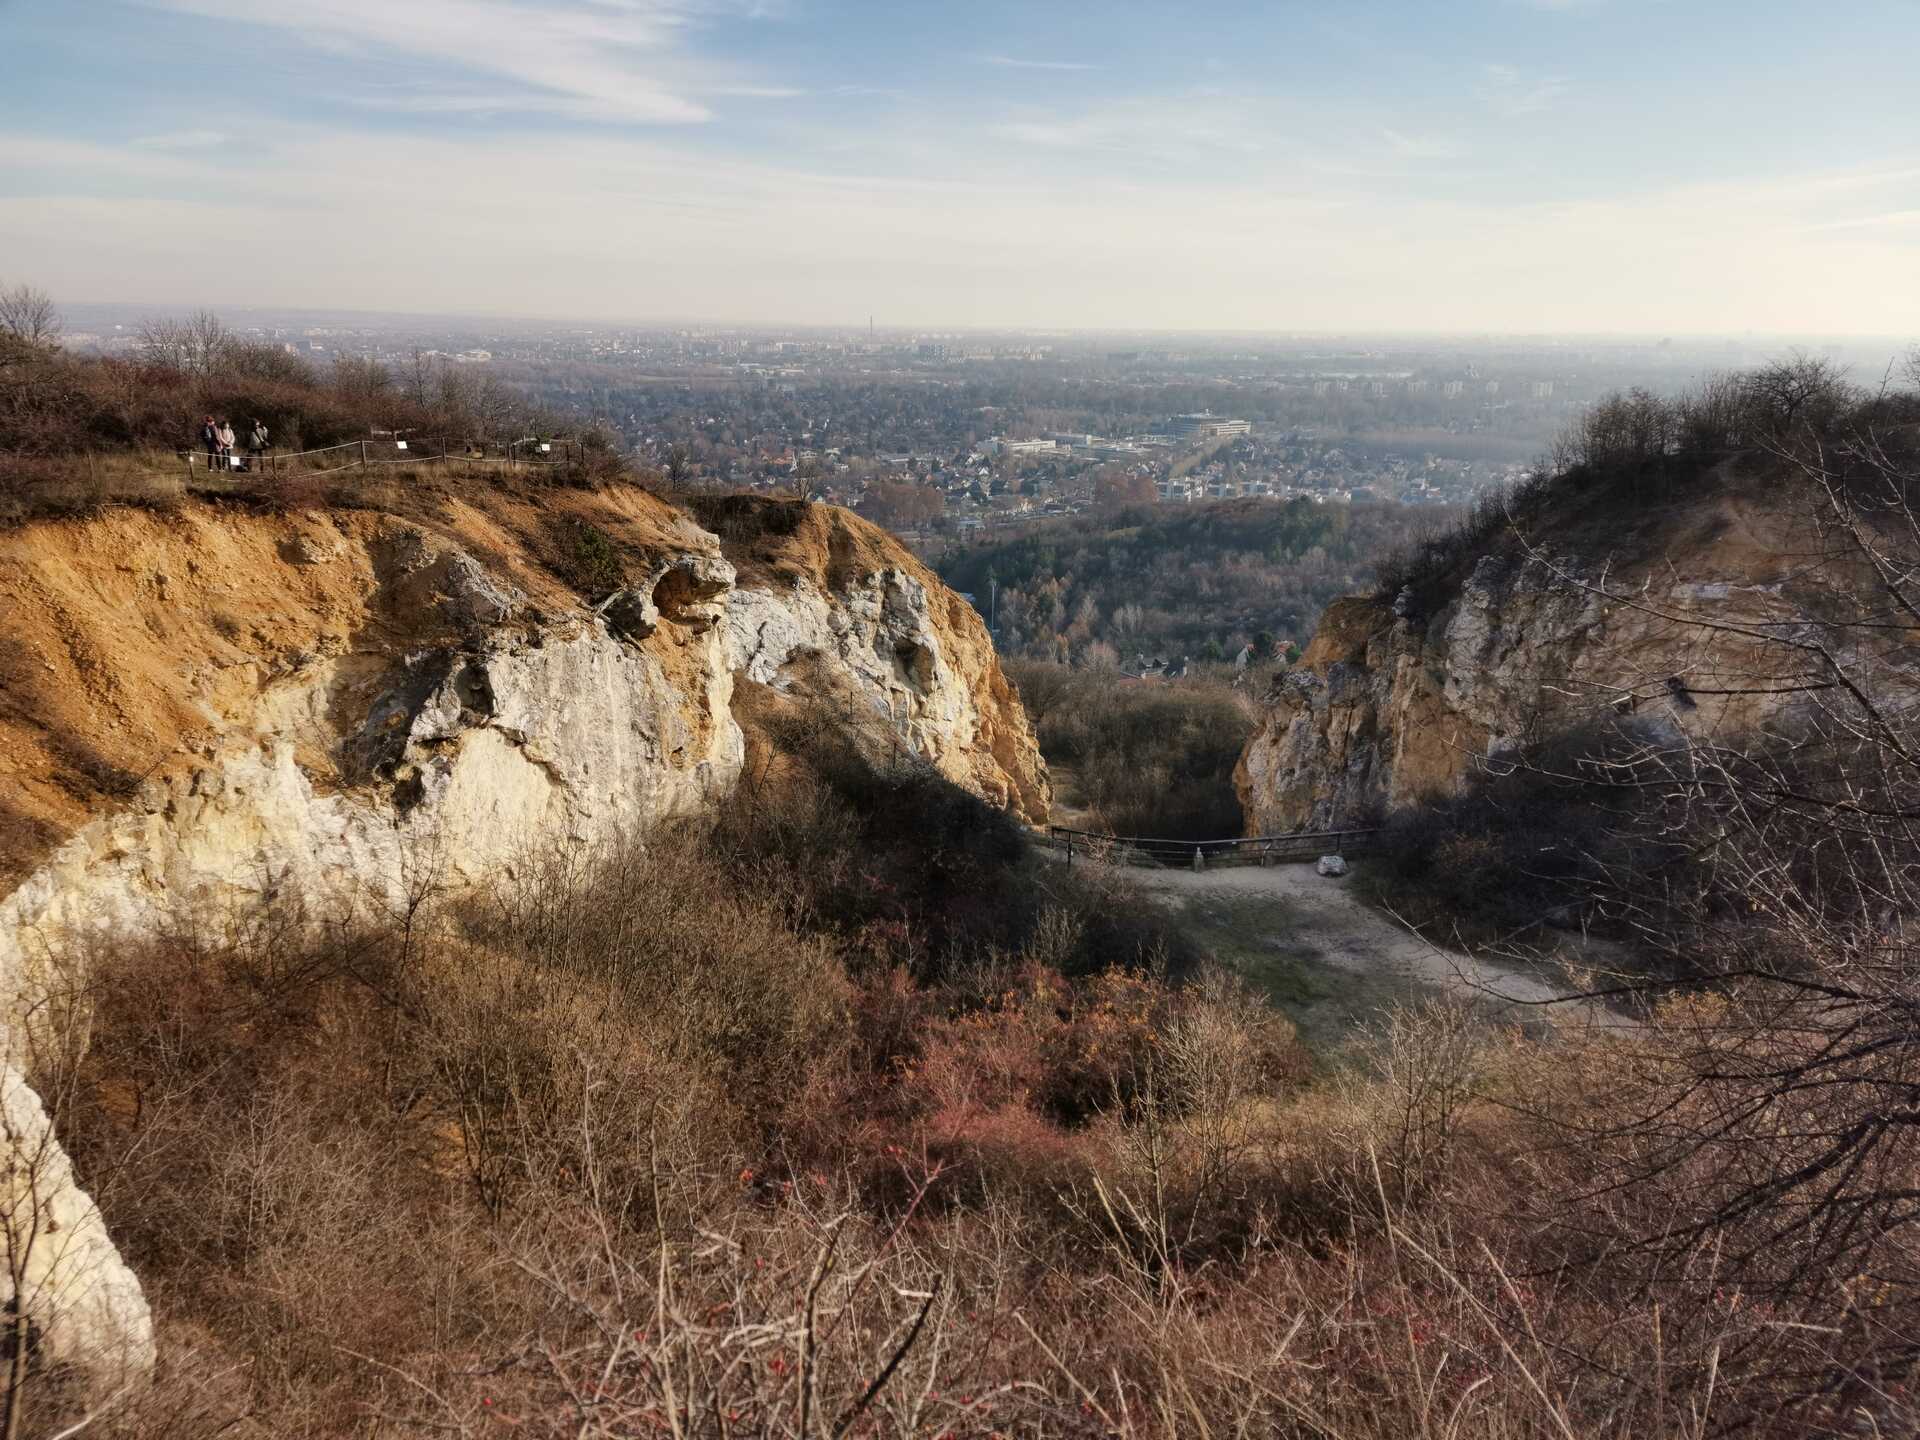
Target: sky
x=1473, y=166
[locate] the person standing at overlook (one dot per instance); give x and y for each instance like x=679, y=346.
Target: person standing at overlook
x=210, y=437
x=257, y=441
x=226, y=445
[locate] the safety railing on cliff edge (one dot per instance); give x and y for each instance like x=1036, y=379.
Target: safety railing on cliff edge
x=368, y=454
x=1298, y=845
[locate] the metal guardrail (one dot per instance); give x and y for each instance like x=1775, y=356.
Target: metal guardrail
x=1296, y=846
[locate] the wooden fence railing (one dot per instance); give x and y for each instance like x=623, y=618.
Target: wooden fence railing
x=1252, y=850
x=365, y=454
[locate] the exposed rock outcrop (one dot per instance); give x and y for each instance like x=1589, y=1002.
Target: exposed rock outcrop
x=1386, y=706
x=826, y=601
x=85, y=1311
x=213, y=707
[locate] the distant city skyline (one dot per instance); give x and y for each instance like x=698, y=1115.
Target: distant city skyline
x=1501, y=167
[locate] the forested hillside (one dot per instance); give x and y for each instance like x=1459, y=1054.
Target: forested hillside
x=1199, y=580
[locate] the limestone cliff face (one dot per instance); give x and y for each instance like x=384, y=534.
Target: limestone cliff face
x=211, y=707
x=827, y=603
x=1383, y=708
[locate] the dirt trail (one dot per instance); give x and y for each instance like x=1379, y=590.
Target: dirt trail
x=1330, y=960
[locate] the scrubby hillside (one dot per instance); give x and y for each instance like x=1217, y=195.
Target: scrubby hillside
x=1139, y=758
x=1652, y=575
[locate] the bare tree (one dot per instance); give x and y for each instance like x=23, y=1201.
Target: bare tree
x=1768, y=1127
x=424, y=374
x=360, y=377
x=29, y=316
x=200, y=345
x=679, y=467
x=809, y=479
x=1799, y=391
x=264, y=360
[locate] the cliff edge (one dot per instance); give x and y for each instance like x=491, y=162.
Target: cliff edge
x=209, y=706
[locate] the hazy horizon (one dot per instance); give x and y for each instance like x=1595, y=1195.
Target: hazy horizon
x=1514, y=168
x=240, y=312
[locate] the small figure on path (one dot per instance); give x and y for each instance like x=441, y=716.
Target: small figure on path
x=210, y=437
x=226, y=445
x=257, y=441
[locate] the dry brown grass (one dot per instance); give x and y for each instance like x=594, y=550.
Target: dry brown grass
x=468, y=1187
x=670, y=1142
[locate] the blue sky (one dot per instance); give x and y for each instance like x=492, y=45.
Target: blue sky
x=1503, y=165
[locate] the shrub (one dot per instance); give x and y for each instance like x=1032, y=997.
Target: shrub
x=1634, y=451
x=1144, y=759
x=593, y=563
x=1549, y=834
x=910, y=868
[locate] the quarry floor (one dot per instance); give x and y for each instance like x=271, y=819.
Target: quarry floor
x=1331, y=962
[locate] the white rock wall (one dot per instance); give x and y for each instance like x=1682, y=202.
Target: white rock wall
x=85, y=1309
x=878, y=635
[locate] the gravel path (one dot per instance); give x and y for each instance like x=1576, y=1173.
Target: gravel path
x=1290, y=911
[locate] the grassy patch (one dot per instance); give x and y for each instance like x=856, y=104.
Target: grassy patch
x=1262, y=940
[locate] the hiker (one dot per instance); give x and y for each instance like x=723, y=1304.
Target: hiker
x=226, y=445
x=257, y=441
x=210, y=437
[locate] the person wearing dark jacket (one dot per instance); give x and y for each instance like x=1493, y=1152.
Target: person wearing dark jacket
x=257, y=440
x=210, y=437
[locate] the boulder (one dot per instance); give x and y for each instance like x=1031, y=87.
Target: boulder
x=473, y=597
x=1331, y=865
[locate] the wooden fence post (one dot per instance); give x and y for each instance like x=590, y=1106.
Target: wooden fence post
x=363, y=452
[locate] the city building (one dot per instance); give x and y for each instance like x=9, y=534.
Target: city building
x=1207, y=426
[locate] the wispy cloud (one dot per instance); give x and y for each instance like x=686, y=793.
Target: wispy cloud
x=67, y=160
x=1509, y=91
x=1019, y=62
x=183, y=140
x=610, y=60
x=1421, y=147
x=1168, y=128
x=1892, y=219
x=644, y=226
